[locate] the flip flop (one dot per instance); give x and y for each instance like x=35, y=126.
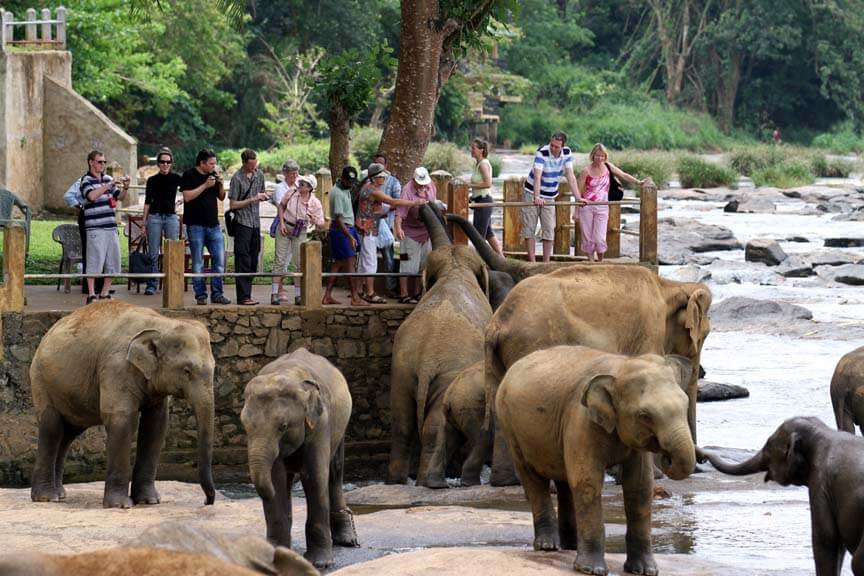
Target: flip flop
x=375, y=299
x=407, y=300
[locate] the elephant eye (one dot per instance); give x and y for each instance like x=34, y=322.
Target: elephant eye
x=645, y=417
x=283, y=427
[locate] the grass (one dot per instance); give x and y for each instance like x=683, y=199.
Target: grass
x=789, y=173
x=658, y=165
x=695, y=172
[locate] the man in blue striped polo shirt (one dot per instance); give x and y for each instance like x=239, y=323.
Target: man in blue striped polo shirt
x=550, y=163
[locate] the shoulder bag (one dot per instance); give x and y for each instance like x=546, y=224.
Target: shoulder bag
x=616, y=192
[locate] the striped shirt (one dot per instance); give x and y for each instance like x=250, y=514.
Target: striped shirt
x=99, y=213
x=553, y=168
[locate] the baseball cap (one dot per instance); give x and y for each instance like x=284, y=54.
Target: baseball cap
x=421, y=176
x=376, y=169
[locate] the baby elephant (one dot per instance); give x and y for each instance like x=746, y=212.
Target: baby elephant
x=805, y=452
x=568, y=413
x=847, y=391
x=295, y=414
x=464, y=409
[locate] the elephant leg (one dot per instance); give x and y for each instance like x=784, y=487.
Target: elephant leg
x=566, y=517
x=503, y=472
x=51, y=432
x=277, y=510
x=828, y=549
x=537, y=492
x=70, y=432
x=152, y=428
x=638, y=488
x=341, y=519
x=481, y=446
x=118, y=428
x=586, y=484
x=315, y=478
x=433, y=450
x=403, y=428
x=858, y=559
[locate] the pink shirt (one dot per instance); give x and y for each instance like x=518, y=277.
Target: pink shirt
x=309, y=210
x=597, y=188
x=410, y=215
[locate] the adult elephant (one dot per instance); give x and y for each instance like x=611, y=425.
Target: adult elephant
x=115, y=364
x=443, y=335
x=613, y=308
x=847, y=391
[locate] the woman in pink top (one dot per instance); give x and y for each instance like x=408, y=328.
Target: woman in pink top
x=594, y=187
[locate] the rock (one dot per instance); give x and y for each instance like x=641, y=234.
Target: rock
x=690, y=273
x=844, y=242
x=716, y=392
x=732, y=206
x=857, y=216
x=740, y=272
x=831, y=258
x=852, y=274
x=764, y=250
x=678, y=238
x=754, y=204
x=797, y=239
x=795, y=267
x=739, y=312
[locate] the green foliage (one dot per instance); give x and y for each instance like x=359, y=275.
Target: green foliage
x=348, y=79
x=695, y=172
x=789, y=173
x=497, y=164
x=452, y=110
x=748, y=159
x=365, y=142
x=647, y=164
x=824, y=167
x=448, y=157
x=311, y=156
x=843, y=140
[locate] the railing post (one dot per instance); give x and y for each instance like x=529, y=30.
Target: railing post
x=61, y=27
x=512, y=215
x=46, y=25
x=458, y=193
x=7, y=34
x=173, y=266
x=310, y=267
x=561, y=244
x=12, y=290
x=30, y=25
x=325, y=184
x=442, y=179
x=648, y=226
x=613, y=232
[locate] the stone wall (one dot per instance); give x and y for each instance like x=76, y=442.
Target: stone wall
x=358, y=342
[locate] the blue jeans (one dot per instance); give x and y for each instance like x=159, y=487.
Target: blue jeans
x=157, y=225
x=211, y=237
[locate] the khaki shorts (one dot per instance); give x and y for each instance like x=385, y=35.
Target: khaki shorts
x=530, y=215
x=417, y=254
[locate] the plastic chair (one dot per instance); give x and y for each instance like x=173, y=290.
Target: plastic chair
x=136, y=233
x=68, y=237
x=8, y=200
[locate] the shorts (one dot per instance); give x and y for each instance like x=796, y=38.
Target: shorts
x=340, y=246
x=368, y=254
x=103, y=251
x=530, y=214
x=416, y=253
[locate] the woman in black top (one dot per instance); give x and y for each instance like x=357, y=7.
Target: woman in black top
x=160, y=210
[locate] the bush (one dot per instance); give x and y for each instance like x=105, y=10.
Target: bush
x=654, y=164
x=748, y=159
x=824, y=167
x=843, y=140
x=694, y=172
x=497, y=164
x=365, y=142
x=789, y=173
x=528, y=149
x=448, y=157
x=310, y=155
x=526, y=124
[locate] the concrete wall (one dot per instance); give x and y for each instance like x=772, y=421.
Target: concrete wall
x=46, y=129
x=359, y=342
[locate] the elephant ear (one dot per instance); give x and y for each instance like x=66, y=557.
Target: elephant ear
x=427, y=280
x=597, y=399
x=795, y=461
x=143, y=352
x=682, y=368
x=314, y=406
x=288, y=562
x=696, y=318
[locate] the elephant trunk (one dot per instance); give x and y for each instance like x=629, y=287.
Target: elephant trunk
x=437, y=232
x=205, y=415
x=678, y=454
x=261, y=458
x=516, y=269
x=753, y=465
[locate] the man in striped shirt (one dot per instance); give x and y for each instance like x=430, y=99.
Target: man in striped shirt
x=100, y=221
x=550, y=163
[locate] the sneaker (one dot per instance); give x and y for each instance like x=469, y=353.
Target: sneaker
x=296, y=300
x=201, y=301
x=149, y=292
x=274, y=300
x=220, y=300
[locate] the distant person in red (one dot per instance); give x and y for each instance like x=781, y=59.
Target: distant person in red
x=776, y=136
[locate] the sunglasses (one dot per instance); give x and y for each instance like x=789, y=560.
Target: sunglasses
x=163, y=162
x=100, y=161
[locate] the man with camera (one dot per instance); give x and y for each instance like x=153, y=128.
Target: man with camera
x=245, y=193
x=202, y=188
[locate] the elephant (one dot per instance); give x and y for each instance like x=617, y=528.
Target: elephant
x=464, y=409
x=443, y=335
x=847, y=391
x=120, y=562
x=569, y=412
x=107, y=364
x=615, y=308
x=805, y=452
x=247, y=550
x=295, y=413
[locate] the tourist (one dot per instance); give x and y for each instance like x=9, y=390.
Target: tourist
x=202, y=189
x=370, y=208
x=541, y=189
x=160, y=211
x=301, y=209
x=100, y=220
x=286, y=188
x=245, y=193
x=393, y=189
x=415, y=244
x=481, y=192
x=593, y=184
x=344, y=240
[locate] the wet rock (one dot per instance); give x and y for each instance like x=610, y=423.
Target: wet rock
x=717, y=392
x=764, y=250
x=690, y=273
x=797, y=239
x=732, y=206
x=752, y=204
x=740, y=312
x=740, y=272
x=844, y=242
x=852, y=274
x=795, y=267
x=857, y=216
x=678, y=238
x=831, y=258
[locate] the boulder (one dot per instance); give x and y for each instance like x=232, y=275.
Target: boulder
x=753, y=204
x=716, y=392
x=678, y=238
x=690, y=273
x=795, y=267
x=739, y=312
x=764, y=250
x=740, y=272
x=857, y=216
x=852, y=274
x=831, y=258
x=844, y=242
x=797, y=239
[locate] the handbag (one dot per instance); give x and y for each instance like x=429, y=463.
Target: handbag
x=616, y=192
x=139, y=261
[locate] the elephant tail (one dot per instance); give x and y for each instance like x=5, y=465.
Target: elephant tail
x=839, y=392
x=495, y=370
x=424, y=381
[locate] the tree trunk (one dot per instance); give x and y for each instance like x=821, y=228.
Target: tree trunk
x=419, y=79
x=340, y=127
x=728, y=79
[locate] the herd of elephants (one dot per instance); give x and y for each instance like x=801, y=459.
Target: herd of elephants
x=554, y=372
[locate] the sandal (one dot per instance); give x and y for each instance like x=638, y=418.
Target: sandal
x=373, y=299
x=91, y=299
x=105, y=296
x=407, y=300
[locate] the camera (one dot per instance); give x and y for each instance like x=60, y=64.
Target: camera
x=216, y=176
x=299, y=228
